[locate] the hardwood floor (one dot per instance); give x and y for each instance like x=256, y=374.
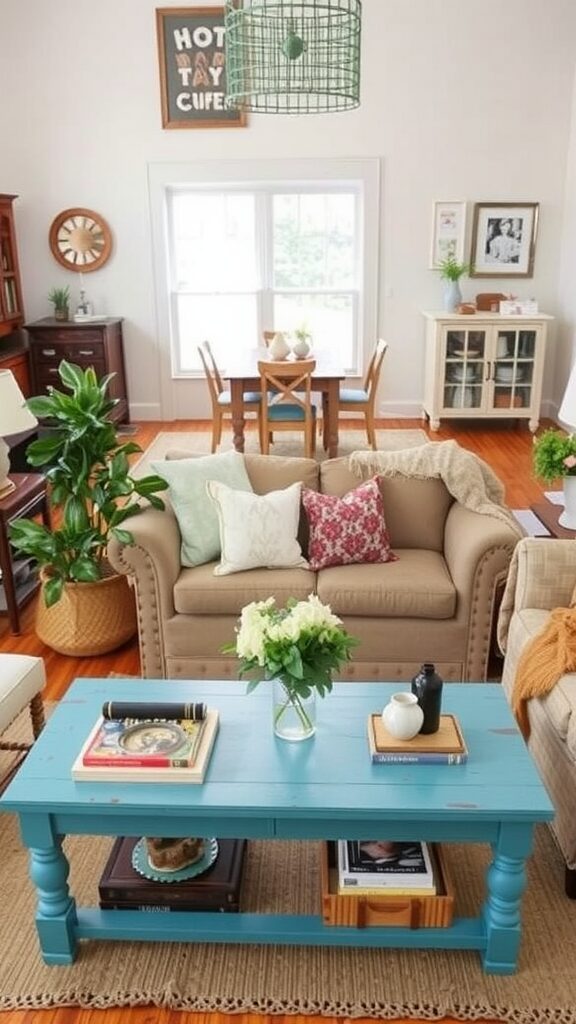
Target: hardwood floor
x=506, y=447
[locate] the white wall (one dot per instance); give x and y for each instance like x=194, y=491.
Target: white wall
x=459, y=101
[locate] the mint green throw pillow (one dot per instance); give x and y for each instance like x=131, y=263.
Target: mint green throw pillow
x=195, y=511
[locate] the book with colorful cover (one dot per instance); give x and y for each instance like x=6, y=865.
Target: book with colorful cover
x=154, y=752
x=446, y=746
x=379, y=865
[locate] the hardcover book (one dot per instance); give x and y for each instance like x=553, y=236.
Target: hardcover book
x=446, y=746
x=385, y=866
x=156, y=752
x=217, y=889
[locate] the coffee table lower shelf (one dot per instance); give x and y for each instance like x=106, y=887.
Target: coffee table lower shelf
x=264, y=929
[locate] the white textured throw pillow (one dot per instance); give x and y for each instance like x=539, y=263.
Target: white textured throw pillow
x=257, y=530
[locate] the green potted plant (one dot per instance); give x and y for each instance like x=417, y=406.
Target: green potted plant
x=85, y=607
x=554, y=457
x=303, y=341
x=60, y=297
x=451, y=270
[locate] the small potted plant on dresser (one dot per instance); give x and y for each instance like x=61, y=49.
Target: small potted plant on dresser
x=85, y=608
x=60, y=297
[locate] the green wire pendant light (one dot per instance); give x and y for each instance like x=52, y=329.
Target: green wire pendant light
x=292, y=56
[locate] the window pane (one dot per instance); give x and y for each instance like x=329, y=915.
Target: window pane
x=226, y=321
x=313, y=245
x=214, y=241
x=329, y=318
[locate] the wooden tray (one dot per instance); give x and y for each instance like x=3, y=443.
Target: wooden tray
x=358, y=911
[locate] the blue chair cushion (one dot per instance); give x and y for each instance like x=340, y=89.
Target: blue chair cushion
x=353, y=395
x=249, y=396
x=286, y=412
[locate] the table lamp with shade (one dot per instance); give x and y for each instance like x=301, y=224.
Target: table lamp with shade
x=567, y=417
x=14, y=418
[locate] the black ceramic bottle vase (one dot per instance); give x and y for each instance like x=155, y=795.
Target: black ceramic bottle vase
x=427, y=686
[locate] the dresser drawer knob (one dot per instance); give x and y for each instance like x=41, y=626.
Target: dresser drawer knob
x=85, y=351
x=48, y=351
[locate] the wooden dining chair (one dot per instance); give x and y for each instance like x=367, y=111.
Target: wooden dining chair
x=288, y=402
x=363, y=400
x=221, y=398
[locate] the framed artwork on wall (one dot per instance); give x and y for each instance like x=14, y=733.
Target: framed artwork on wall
x=193, y=68
x=448, y=229
x=503, y=239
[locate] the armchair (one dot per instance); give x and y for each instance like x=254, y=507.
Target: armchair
x=543, y=577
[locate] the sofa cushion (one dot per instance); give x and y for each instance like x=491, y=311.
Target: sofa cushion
x=272, y=472
x=257, y=529
x=417, y=586
x=195, y=512
x=198, y=592
x=347, y=530
x=416, y=510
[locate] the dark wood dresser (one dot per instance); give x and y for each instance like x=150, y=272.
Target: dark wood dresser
x=96, y=343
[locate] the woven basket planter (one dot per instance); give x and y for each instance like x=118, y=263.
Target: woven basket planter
x=89, y=618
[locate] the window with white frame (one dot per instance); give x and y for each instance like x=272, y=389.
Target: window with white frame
x=248, y=257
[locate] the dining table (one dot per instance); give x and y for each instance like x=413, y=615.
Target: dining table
x=242, y=374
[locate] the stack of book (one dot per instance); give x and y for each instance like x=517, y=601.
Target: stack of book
x=148, y=743
x=218, y=888
x=376, y=866
x=446, y=746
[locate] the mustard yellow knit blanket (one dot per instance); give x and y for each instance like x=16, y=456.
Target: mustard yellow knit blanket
x=544, y=660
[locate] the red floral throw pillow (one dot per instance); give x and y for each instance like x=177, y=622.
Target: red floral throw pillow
x=347, y=530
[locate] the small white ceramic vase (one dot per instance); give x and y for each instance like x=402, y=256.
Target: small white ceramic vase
x=279, y=347
x=403, y=716
x=301, y=348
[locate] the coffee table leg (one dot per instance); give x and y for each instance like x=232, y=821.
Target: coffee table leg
x=56, y=912
x=506, y=881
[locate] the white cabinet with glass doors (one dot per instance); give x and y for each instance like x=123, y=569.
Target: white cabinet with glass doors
x=484, y=366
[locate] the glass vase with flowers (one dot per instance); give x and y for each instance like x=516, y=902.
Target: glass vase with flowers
x=298, y=647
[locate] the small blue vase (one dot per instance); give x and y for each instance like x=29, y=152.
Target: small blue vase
x=452, y=296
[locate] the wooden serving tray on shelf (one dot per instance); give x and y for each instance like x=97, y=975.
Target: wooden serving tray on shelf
x=365, y=911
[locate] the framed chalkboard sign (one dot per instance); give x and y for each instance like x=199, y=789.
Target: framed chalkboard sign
x=193, y=68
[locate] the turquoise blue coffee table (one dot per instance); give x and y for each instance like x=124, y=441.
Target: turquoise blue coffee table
x=261, y=787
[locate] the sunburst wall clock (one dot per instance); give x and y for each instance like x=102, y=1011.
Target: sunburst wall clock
x=80, y=239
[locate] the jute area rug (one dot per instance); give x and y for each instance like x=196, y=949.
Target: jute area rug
x=284, y=877
x=286, y=443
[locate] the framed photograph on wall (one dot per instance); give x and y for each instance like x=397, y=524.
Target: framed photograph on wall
x=193, y=68
x=448, y=228
x=503, y=239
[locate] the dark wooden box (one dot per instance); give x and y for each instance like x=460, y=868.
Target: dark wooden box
x=122, y=888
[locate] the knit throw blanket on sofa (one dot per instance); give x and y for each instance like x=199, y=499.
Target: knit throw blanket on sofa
x=468, y=479
x=543, y=662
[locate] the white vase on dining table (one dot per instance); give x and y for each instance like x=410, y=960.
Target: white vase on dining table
x=279, y=347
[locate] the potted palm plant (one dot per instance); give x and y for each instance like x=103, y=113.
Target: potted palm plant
x=451, y=270
x=60, y=297
x=85, y=608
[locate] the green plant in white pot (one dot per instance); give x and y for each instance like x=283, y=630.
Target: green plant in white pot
x=451, y=270
x=554, y=457
x=85, y=607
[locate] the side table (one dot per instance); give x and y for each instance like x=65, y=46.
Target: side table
x=549, y=514
x=29, y=499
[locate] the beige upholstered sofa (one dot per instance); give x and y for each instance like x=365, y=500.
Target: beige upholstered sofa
x=543, y=577
x=435, y=603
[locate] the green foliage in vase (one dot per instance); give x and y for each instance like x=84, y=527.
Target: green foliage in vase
x=301, y=644
x=60, y=297
x=90, y=483
x=554, y=455
x=451, y=270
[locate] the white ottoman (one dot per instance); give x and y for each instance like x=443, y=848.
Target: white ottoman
x=22, y=679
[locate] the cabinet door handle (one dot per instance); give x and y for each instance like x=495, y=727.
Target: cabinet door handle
x=488, y=371
x=48, y=351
